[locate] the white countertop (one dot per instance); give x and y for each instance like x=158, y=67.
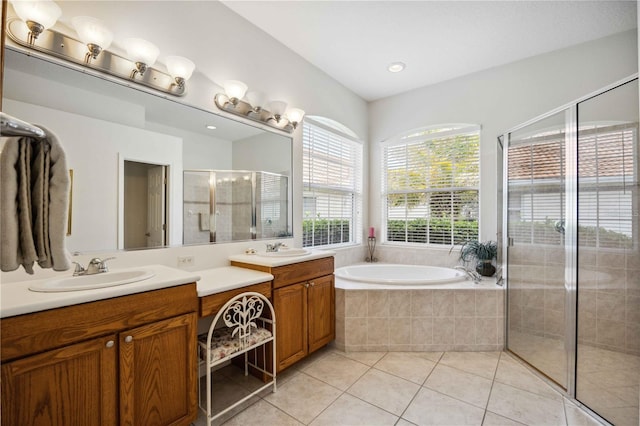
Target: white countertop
x=217, y=280
x=17, y=299
x=256, y=259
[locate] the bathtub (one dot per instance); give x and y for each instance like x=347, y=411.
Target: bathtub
x=401, y=275
x=392, y=307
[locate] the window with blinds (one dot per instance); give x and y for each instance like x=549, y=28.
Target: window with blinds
x=431, y=185
x=607, y=187
x=332, y=186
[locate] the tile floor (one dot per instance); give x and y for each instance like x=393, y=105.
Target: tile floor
x=401, y=388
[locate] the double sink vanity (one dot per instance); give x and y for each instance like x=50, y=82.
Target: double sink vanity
x=124, y=351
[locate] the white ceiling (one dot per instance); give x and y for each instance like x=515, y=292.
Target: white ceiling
x=355, y=41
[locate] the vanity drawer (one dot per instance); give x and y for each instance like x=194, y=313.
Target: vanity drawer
x=210, y=305
x=303, y=271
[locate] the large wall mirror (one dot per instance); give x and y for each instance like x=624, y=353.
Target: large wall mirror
x=149, y=171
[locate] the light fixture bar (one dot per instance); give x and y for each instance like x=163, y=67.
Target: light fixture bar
x=64, y=47
x=245, y=110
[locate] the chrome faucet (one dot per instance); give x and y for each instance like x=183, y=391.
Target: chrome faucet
x=470, y=274
x=95, y=266
x=272, y=248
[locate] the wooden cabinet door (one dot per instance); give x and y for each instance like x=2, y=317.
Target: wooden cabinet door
x=290, y=305
x=321, y=312
x=158, y=373
x=74, y=385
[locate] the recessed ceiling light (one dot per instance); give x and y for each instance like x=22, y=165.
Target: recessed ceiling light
x=396, y=67
x=211, y=127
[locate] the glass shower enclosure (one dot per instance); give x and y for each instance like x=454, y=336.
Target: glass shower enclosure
x=571, y=248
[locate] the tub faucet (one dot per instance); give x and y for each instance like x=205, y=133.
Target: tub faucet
x=272, y=248
x=470, y=274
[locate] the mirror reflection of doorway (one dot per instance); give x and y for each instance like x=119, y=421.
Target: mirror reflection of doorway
x=145, y=205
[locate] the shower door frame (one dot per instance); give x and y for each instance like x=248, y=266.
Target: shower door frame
x=571, y=227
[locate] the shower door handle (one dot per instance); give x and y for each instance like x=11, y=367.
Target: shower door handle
x=559, y=226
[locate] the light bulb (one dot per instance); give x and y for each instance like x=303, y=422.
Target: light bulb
x=235, y=90
x=295, y=116
x=93, y=33
x=180, y=69
x=38, y=15
x=142, y=52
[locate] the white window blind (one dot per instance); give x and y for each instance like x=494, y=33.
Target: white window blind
x=430, y=184
x=332, y=181
x=607, y=187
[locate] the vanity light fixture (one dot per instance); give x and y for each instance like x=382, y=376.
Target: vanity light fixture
x=96, y=37
x=396, y=67
x=180, y=69
x=295, y=116
x=94, y=34
x=253, y=107
x=141, y=52
x=38, y=15
x=235, y=90
x=277, y=109
x=256, y=100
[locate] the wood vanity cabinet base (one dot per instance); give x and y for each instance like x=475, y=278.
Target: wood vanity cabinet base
x=128, y=360
x=304, y=303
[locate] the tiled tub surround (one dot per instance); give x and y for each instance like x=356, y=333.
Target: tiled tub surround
x=608, y=297
x=460, y=316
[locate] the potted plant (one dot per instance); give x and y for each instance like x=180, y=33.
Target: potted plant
x=482, y=253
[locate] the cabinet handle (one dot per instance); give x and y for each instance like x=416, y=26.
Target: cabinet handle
x=306, y=285
x=128, y=339
x=312, y=284
x=110, y=344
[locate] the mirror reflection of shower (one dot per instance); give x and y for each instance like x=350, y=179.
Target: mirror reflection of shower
x=238, y=205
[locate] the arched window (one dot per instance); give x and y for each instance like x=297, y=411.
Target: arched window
x=431, y=179
x=332, y=183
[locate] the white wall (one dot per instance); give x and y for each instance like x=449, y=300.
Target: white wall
x=498, y=99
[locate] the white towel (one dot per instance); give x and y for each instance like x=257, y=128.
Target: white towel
x=34, y=197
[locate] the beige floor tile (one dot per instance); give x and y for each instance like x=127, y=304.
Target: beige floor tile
x=493, y=419
x=403, y=422
x=349, y=410
x=525, y=407
x=577, y=417
x=433, y=408
x=511, y=372
x=412, y=366
x=303, y=397
x=368, y=358
x=480, y=363
x=384, y=390
x=460, y=385
x=260, y=414
x=336, y=370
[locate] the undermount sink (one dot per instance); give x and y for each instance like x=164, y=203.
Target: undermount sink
x=286, y=253
x=90, y=282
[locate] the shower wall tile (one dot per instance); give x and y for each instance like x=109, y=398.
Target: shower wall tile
x=610, y=307
x=610, y=333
